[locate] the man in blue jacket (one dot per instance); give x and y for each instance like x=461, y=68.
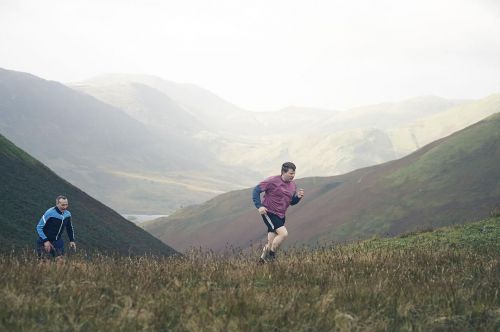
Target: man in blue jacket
x=50, y=229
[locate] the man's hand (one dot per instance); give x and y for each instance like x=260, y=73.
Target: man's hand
x=300, y=193
x=262, y=210
x=72, y=245
x=48, y=246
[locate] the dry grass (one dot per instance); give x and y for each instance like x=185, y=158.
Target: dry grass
x=345, y=288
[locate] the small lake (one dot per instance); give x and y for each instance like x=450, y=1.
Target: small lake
x=140, y=218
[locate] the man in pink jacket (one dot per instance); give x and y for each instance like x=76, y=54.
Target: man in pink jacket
x=280, y=192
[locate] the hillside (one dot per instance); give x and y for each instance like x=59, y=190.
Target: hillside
x=193, y=108
x=452, y=180
x=146, y=104
x=144, y=145
x=326, y=142
x=475, y=236
x=126, y=164
x=28, y=189
x=413, y=135
x=210, y=110
x=444, y=280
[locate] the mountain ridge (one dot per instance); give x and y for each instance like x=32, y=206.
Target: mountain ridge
x=383, y=199
x=142, y=151
x=29, y=188
x=92, y=143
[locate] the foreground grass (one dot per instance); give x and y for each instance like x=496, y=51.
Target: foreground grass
x=396, y=284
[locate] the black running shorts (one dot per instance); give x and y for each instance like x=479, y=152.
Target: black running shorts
x=274, y=222
x=57, y=250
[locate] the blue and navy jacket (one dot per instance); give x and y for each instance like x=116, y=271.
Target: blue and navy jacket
x=50, y=226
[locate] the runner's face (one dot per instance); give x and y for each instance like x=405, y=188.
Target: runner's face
x=62, y=204
x=288, y=176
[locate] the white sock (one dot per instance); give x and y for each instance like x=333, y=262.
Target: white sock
x=265, y=250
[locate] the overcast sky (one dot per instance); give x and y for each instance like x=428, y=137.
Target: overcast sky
x=265, y=54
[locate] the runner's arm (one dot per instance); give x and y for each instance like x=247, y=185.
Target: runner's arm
x=39, y=229
x=256, y=196
x=70, y=230
x=295, y=199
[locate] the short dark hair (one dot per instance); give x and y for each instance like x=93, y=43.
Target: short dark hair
x=58, y=198
x=287, y=166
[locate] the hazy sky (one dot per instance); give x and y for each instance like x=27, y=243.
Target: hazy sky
x=265, y=55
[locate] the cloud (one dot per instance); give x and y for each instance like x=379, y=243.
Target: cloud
x=265, y=54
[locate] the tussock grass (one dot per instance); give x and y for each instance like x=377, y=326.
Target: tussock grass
x=346, y=288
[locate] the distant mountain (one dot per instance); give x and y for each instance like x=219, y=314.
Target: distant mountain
x=338, y=152
x=40, y=115
x=126, y=163
x=388, y=115
x=361, y=137
x=331, y=143
x=415, y=134
x=144, y=145
x=203, y=110
x=205, y=106
x=324, y=141
x=452, y=180
x=146, y=104
x=28, y=189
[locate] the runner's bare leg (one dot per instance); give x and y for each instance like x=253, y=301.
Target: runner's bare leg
x=267, y=247
x=278, y=239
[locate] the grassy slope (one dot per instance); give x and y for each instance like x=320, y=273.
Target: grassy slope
x=476, y=236
x=103, y=147
x=29, y=188
x=423, y=131
x=445, y=280
x=453, y=180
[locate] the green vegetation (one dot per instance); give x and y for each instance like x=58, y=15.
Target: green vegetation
x=29, y=188
x=440, y=165
x=445, y=280
x=483, y=235
x=451, y=181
